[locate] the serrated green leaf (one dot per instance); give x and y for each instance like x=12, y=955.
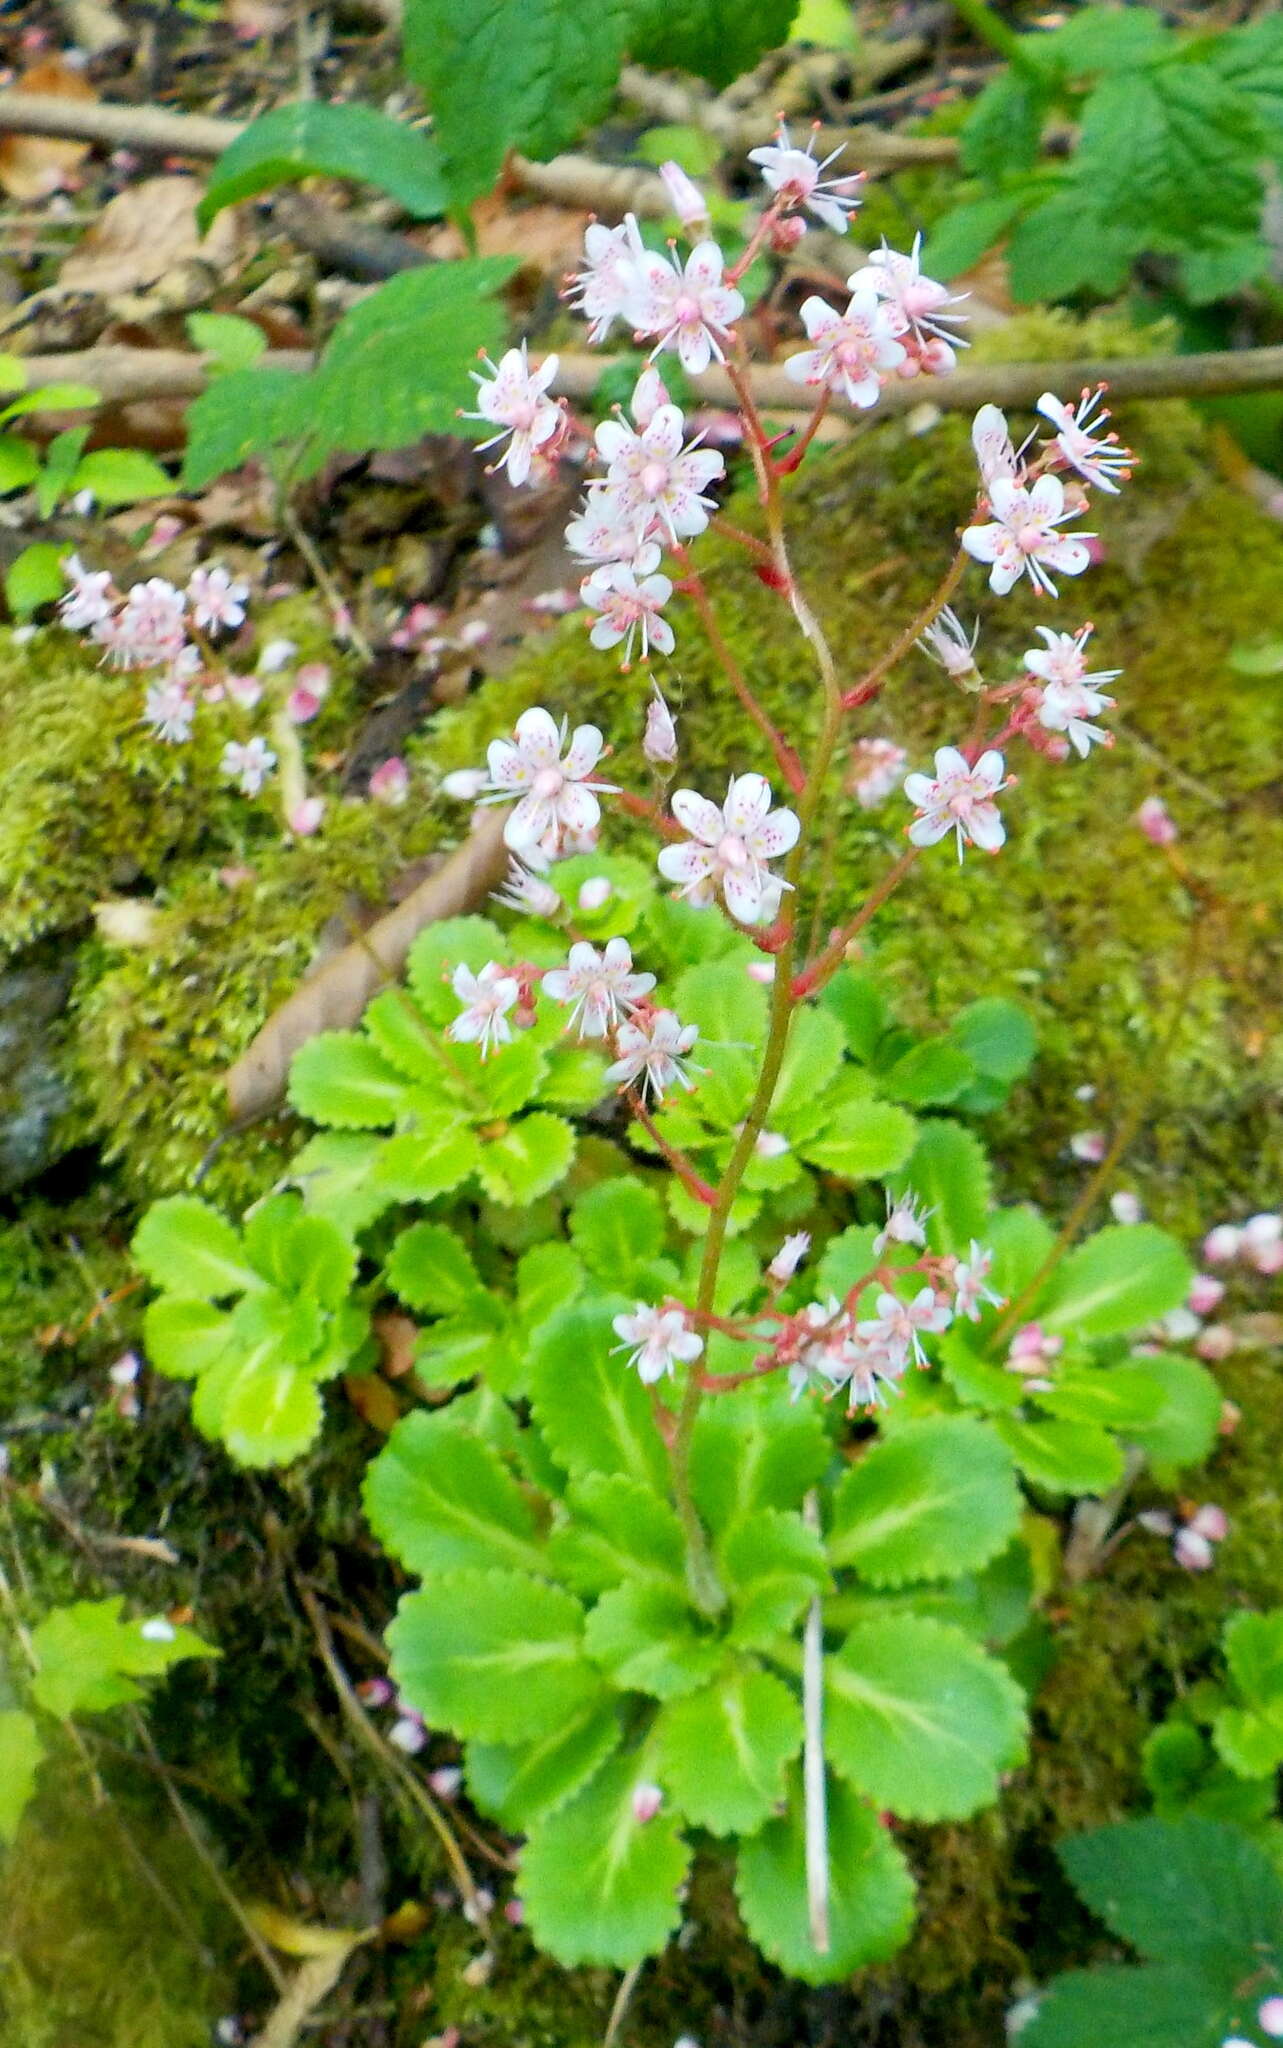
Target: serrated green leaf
x=1003, y=130
x=1021, y=1242
x=574, y=1078
x=1125, y=1276
x=265, y=1410
x=616, y=1528
x=311, y=138
x=847, y=1258
x=772, y=1564
x=1254, y=1656
x=438, y=1498
x=1164, y=2005
x=529, y=1158
x=1249, y=58
x=617, y=1227
x=949, y=1174
x=234, y=342
x=598, y=1885
x=716, y=39
x=937, y=1499
x=120, y=476
x=432, y=1269
x=1187, y=1891
x=495, y=1655
x=1251, y=1744
x=870, y=1889
x=730, y=1011
x=183, y=1244
x=858, y=1004
x=333, y=1175
x=244, y=413
x=1173, y=146
x=1221, y=266
x=721, y=1752
x=919, y=1718
x=976, y=1382
x=965, y=233
x=753, y=1449
x=863, y=1141
x=523, y=1785
x=417, y=1165
x=931, y=1073
x=21, y=1754
x=1065, y=1457
x=644, y=1636
x=588, y=1402
x=549, y=1278
x=298, y=1253
x=438, y=950
x=398, y=1029
x=811, y=1059
x=1119, y=1397
x=1065, y=245
x=1104, y=39
x=339, y=1078
x=183, y=1337
x=998, y=1035
x=88, y=1655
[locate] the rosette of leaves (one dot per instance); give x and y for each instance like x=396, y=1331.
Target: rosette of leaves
x=556, y=1635
x=1219, y=1751
x=1202, y=1905
x=257, y=1318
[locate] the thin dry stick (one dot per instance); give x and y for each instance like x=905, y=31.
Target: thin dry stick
x=816, y=1803
x=627, y=1985
x=345, y=626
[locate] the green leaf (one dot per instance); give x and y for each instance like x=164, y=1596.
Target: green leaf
x=52, y=398
x=1125, y=1276
x=1003, y=131
x=88, y=1655
x=920, y=1719
x=522, y=1785
x=438, y=950
x=120, y=476
x=1222, y=266
x=721, y=1752
x=438, y=1498
x=1021, y=1242
x=21, y=1753
x=1119, y=1397
x=496, y=1655
x=933, y=1071
x=183, y=1244
x=234, y=342
x=718, y=40
x=617, y=1529
x=298, y=1253
x=19, y=463
x=35, y=578
x=1173, y=146
x=460, y=1347
x=431, y=1269
x=937, y=1499
x=1254, y=1657
x=730, y=1011
x=414, y=1166
x=811, y=1059
x=1250, y=1744
x=998, y=1036
x=865, y=1140
x=617, y=1227
x=694, y=149
x=339, y=1078
x=857, y=1003
x=644, y=1636
x=949, y=1174
x=530, y=1157
x=1104, y=39
x=333, y=1174
x=311, y=138
x=1065, y=245
x=588, y=1402
x=1249, y=58
x=1187, y=1891
x=847, y=1258
x=753, y=1449
x=870, y=1889
x=965, y=233
x=244, y=413
x=1065, y=1457
x=549, y=1277
x=61, y=457
x=183, y=1337
x=598, y=1885
x=1165, y=2005
x=265, y=1410
x=772, y=1565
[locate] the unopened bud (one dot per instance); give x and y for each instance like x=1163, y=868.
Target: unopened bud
x=647, y=1800
x=1125, y=1206
x=1210, y=1521
x=1269, y=2018
x=789, y=1257
x=649, y=393
x=1193, y=1552
x=786, y=234
x=689, y=203
x=1156, y=822
x=1089, y=1146
x=1222, y=1244
x=305, y=818
x=390, y=784
x=1213, y=1344
x=659, y=742
x=596, y=893
x=1205, y=1294
x=762, y=971
x=276, y=655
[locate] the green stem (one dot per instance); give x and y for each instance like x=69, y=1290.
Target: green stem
x=992, y=29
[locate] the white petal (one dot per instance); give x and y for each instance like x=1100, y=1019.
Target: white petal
x=981, y=542
x=926, y=831
x=584, y=751
x=950, y=762
x=538, y=737
x=702, y=819
x=578, y=808
x=742, y=889
x=747, y=802
x=686, y=863
x=986, y=828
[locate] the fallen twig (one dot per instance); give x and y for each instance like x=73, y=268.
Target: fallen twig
x=869, y=149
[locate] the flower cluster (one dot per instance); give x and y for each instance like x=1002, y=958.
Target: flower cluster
x=896, y=323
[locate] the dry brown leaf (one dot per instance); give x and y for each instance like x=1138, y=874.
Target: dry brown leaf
x=398, y=1340
x=547, y=238
x=145, y=231
x=373, y=1400
x=33, y=166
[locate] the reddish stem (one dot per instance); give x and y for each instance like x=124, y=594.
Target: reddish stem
x=681, y=1166
x=789, y=765
x=788, y=463
x=825, y=964
x=869, y=683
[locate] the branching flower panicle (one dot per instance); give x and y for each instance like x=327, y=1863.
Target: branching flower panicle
x=795, y=177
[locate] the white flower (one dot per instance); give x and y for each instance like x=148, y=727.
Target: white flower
x=487, y=998
x=649, y=393
x=947, y=642
x=1022, y=539
x=1063, y=660
x=390, y=782
x=905, y=1224
x=789, y=1257
x=276, y=655
x=872, y=1368
x=959, y=798
x=555, y=793
x=610, y=526
x=214, y=598
x=158, y=1630
x=169, y=711
x=250, y=765
x=1070, y=696
x=513, y=398
x=898, y=1324
x=876, y=768
x=659, y=741
x=603, y=289
x=652, y=1052
x=149, y=629
x=729, y=847
x=627, y=606
x=1069, y=708
x=991, y=439
x=655, y=477
x=656, y=1338
x=970, y=1284
x=87, y=602
x=793, y=175
x=688, y=307
x=523, y=890
x=1101, y=458
x=598, y=986
x=851, y=348
x=920, y=301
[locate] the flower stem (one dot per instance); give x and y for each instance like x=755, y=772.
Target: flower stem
x=992, y=29
x=935, y=604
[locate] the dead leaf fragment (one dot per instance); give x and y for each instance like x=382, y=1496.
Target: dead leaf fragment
x=33, y=166
x=144, y=232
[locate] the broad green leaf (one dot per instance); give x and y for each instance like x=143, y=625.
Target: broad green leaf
x=811, y=1059
x=1249, y=58
x=858, y=1004
x=1172, y=147
x=949, y=1174
x=1254, y=1657
x=573, y=1078
x=549, y=1277
x=1021, y=1241
x=438, y=950
x=863, y=1141
x=19, y=463
x=234, y=342
x=617, y=1227
x=965, y=233
x=530, y=1157
x=1164, y=2005
x=1251, y=1744
x=1003, y=130
x=61, y=457
x=242, y=414
x=644, y=1636
x=182, y=1337
x=870, y=1889
x=1103, y=39
x=494, y=1655
x=88, y=1655
x=339, y=1078
x=414, y=1166
x=937, y=1499
x=598, y=1885
x=35, y=578
x=299, y=1253
x=847, y=1259
x=716, y=39
x=1065, y=1457
x=721, y=1752
x=311, y=138
x=397, y=1027
x=1187, y=1891
x=588, y=1401
x=1119, y=1397
x=333, y=1175
x=772, y=1565
x=431, y=1269
x=998, y=1035
x=188, y=1247
x=1125, y=1276
x=264, y=1410
x=617, y=1528
x=460, y=1347
x=976, y=1382
x=437, y=1498
x=1065, y=244
x=920, y=1719
x=121, y=476
x=931, y=1072
x=21, y=1752
x=1222, y=266
x=730, y=1011
x=754, y=1449
x=522, y=1785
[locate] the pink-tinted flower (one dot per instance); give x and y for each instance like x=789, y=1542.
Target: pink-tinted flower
x=1125, y=1206
x=91, y=598
x=149, y=629
x=1269, y=2018
x=216, y=602
x=487, y=998
x=628, y=607
x=761, y=971
x=513, y=397
x=947, y=642
x=408, y=1734
x=689, y=203
x=652, y=1051
x=1222, y=1244
x=276, y=655
x=465, y=785
x=906, y=1223
x=877, y=767
x=795, y=177
x=1205, y=1294
x=248, y=765
x=554, y=790
x=390, y=782
x=598, y=986
x=958, y=798
x=1089, y=1146
x=1032, y=1355
x=659, y=741
x=525, y=891
x=1210, y=1521
x=611, y=526
x=305, y=818
x=603, y=290
x=1156, y=822
x=311, y=688
x=996, y=459
x=375, y=1692
x=1262, y=1243
x=169, y=711
x=656, y=1339
x=649, y=393
x=243, y=690
x=1022, y=539
x=686, y=306
x=900, y=1324
x=770, y=1144
x=1101, y=458
x=971, y=1283
x=1193, y=1552
x=653, y=476
x=853, y=350
x=646, y=1802
x=595, y=893
x=920, y=303
x=729, y=846
x=789, y=1257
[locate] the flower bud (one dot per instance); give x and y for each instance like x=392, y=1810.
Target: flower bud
x=785, y=234
x=1125, y=1207
x=762, y=971
x=649, y=393
x=595, y=893
x=465, y=784
x=1222, y=1244
x=1215, y=1342
x=689, y=203
x=659, y=742
x=305, y=817
x=1205, y=1293
x=789, y=1257
x=647, y=1800
x=1156, y=822
x=276, y=655
x=390, y=783
x=1193, y=1552
x=408, y=1734
x=1089, y=1146
x=1210, y=1521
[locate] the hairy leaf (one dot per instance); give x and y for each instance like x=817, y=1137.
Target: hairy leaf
x=598, y=1885
x=182, y=1338
x=339, y=1078
x=937, y=1499
x=496, y=1655
x=721, y=1752
x=1165, y=2005
x=431, y=1269
x=863, y=1141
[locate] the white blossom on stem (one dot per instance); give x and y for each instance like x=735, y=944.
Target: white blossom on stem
x=603, y=290
x=513, y=397
x=899, y=1324
x=1021, y=539
x=169, y=711
x=947, y=642
x=609, y=527
x=555, y=794
x=958, y=798
x=1069, y=708
x=1070, y=695
x=686, y=305
x=654, y=476
x=215, y=600
x=659, y=741
x=90, y=599
x=628, y=607
x=248, y=765
x=689, y=203
x=991, y=440
x=598, y=986
x=971, y=1283
x=906, y=1223
x=149, y=629
x=523, y=890
x=730, y=846
x=877, y=766
x=920, y=302
x=651, y=1050
x=853, y=350
x=1099, y=457
x=795, y=177
x=789, y=1257
x=656, y=1340
x=487, y=998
